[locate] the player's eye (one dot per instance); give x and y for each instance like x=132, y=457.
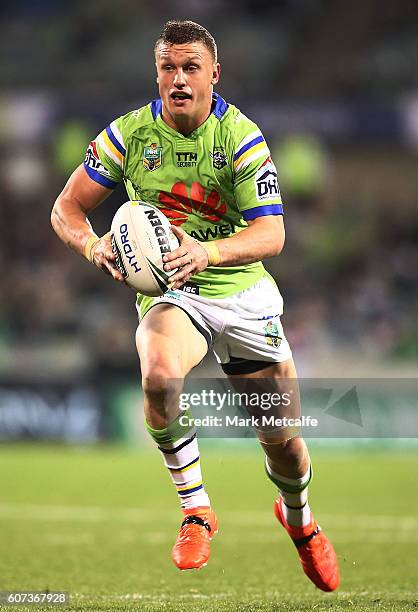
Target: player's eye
x=191, y=68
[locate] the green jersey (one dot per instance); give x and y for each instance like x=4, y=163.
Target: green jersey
x=210, y=182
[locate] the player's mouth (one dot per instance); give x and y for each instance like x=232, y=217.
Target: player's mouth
x=180, y=97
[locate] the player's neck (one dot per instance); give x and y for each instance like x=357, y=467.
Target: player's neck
x=186, y=125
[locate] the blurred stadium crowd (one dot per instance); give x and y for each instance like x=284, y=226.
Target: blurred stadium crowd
x=333, y=85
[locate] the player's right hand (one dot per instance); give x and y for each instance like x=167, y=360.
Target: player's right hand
x=104, y=258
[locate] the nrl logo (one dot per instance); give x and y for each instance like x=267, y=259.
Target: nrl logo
x=219, y=158
x=152, y=157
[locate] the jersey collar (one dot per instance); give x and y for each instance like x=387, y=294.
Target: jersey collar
x=219, y=109
x=220, y=106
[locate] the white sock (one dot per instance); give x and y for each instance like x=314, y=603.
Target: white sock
x=183, y=462
x=180, y=452
x=294, y=493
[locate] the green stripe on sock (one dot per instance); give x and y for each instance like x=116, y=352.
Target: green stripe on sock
x=174, y=431
x=288, y=488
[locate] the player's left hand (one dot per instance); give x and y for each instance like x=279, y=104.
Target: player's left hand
x=190, y=257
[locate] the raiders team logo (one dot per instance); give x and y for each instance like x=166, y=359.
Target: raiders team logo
x=152, y=157
x=219, y=158
x=271, y=332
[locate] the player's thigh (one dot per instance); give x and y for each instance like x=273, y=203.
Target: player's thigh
x=279, y=382
x=277, y=385
x=280, y=370
x=168, y=342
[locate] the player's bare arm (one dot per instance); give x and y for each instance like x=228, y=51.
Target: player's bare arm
x=264, y=237
x=69, y=219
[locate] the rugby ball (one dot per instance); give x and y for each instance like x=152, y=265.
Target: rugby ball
x=141, y=235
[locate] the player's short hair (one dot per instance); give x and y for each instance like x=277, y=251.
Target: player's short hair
x=177, y=32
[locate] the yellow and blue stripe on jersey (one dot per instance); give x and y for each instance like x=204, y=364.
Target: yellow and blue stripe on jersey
x=250, y=148
x=111, y=143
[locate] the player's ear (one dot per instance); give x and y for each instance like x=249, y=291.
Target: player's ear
x=216, y=73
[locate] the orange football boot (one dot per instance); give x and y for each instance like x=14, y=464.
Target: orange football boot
x=317, y=555
x=192, y=547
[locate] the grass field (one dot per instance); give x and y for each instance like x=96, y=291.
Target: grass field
x=99, y=523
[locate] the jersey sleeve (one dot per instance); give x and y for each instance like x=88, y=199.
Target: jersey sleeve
x=256, y=187
x=105, y=156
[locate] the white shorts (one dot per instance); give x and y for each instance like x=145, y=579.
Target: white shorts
x=243, y=330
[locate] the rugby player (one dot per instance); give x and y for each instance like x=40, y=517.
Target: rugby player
x=208, y=168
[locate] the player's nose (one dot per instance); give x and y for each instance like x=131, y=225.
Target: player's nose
x=179, y=78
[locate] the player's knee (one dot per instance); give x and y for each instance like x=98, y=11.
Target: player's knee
x=161, y=383
x=293, y=450
x=290, y=450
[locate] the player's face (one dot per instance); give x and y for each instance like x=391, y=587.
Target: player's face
x=186, y=75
